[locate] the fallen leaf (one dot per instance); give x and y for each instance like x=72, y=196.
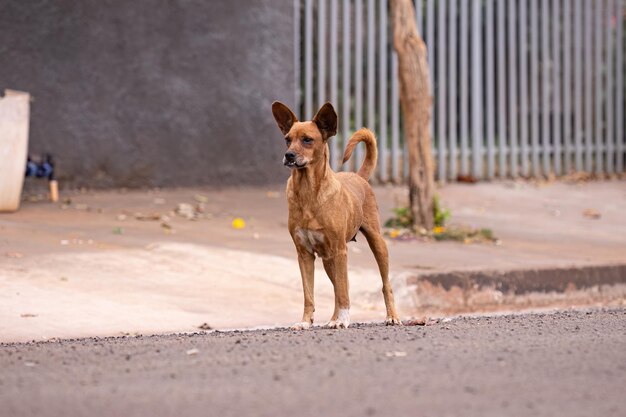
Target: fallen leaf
x=469, y=179
x=26, y=315
x=167, y=228
x=193, y=351
x=148, y=217
x=30, y=364
x=205, y=326
x=592, y=214
x=577, y=177
x=201, y=198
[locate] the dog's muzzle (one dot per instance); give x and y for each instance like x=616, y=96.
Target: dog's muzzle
x=291, y=160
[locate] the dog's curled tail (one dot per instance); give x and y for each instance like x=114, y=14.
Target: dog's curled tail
x=371, y=152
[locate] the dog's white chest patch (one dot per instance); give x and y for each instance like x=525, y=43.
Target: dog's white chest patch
x=310, y=239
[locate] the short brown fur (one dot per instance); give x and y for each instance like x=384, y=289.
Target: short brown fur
x=327, y=209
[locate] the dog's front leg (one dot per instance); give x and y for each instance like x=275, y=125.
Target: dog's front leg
x=306, y=261
x=337, y=269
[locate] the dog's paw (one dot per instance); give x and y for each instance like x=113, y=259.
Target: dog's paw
x=342, y=321
x=393, y=321
x=303, y=325
x=337, y=324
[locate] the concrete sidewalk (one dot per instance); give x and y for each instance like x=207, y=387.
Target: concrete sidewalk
x=106, y=263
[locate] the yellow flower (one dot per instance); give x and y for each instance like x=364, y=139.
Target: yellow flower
x=394, y=233
x=238, y=223
x=439, y=229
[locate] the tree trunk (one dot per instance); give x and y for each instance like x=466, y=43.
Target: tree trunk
x=417, y=102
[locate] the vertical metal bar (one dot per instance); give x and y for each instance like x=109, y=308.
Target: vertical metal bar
x=418, y=16
x=430, y=33
x=610, y=140
x=296, y=54
x=452, y=96
x=588, y=129
x=346, y=68
x=502, y=151
x=477, y=91
x=545, y=88
x=464, y=76
x=578, y=103
x=382, y=83
x=567, y=86
x=395, y=118
x=556, y=85
x=334, y=77
x=441, y=91
x=598, y=87
x=371, y=66
x=512, y=89
x=358, y=75
x=534, y=88
x=321, y=52
x=524, y=123
x=619, y=88
x=490, y=80
x=308, y=59
x=430, y=42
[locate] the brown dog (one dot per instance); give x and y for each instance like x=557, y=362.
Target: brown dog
x=327, y=209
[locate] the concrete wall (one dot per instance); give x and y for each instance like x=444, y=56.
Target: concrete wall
x=152, y=93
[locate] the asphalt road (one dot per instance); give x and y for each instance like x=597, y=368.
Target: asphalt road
x=570, y=363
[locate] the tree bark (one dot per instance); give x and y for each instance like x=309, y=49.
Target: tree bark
x=417, y=102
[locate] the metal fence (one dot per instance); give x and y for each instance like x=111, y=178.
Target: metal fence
x=521, y=87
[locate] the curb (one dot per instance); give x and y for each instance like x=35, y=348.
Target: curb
x=492, y=290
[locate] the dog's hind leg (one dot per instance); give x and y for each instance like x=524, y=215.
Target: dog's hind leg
x=337, y=269
x=306, y=261
x=371, y=230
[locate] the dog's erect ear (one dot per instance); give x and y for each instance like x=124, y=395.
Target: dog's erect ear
x=284, y=116
x=326, y=120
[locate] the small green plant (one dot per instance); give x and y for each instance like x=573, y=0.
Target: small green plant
x=441, y=216
x=401, y=225
x=465, y=234
x=486, y=234
x=402, y=218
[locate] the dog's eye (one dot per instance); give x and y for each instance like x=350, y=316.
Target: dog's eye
x=288, y=141
x=307, y=140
